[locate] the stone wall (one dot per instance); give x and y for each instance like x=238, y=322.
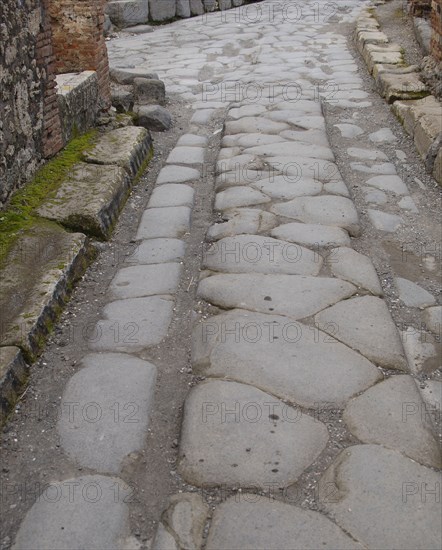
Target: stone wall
x=436, y=25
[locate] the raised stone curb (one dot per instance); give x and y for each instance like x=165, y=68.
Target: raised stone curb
x=13, y=373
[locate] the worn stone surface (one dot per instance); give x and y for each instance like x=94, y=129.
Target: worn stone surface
x=291, y=149
x=157, y=251
x=384, y=221
x=256, y=254
x=401, y=86
x=261, y=444
x=292, y=295
x=186, y=517
x=127, y=147
x=114, y=394
x=393, y=414
x=242, y=220
x=173, y=222
x=365, y=324
x=394, y=184
x=356, y=268
x=153, y=117
x=124, y=13
x=236, y=197
x=127, y=76
x=279, y=187
x=312, y=367
x=164, y=540
x=412, y=294
x=249, y=125
x=177, y=174
x=162, y=10
x=172, y=195
x=133, y=324
x=433, y=319
x=85, y=515
x=89, y=199
x=329, y=210
x=145, y=280
x=256, y=523
x=149, y=91
x=423, y=352
x=377, y=486
x=313, y=235
x=186, y=155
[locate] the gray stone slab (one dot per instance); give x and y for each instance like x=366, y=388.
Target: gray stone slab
x=145, y=280
x=386, y=168
x=327, y=210
x=238, y=221
x=183, y=8
x=263, y=443
x=89, y=199
x=202, y=116
x=312, y=368
x=153, y=117
x=257, y=254
x=433, y=319
x=162, y=10
x=294, y=168
x=383, y=135
x=235, y=197
x=365, y=324
x=237, y=163
x=280, y=187
x=252, y=140
x=407, y=203
x=105, y=410
x=170, y=222
x=337, y=188
x=412, y=294
x=356, y=268
x=432, y=394
x=422, y=352
x=291, y=148
x=77, y=513
x=259, y=523
x=370, y=154
x=173, y=194
x=394, y=184
x=124, y=13
x=314, y=235
x=383, y=220
x=177, y=174
x=349, y=131
x=131, y=325
x=393, y=414
x=128, y=147
x=186, y=155
x=253, y=125
x=164, y=540
x=157, y=251
x=149, y=91
x=292, y=295
x=246, y=111
x=315, y=137
x=192, y=140
x=375, y=196
x=384, y=499
x=126, y=76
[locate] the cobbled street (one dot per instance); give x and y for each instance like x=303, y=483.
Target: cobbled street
x=252, y=361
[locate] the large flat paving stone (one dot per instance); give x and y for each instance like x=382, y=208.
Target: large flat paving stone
x=239, y=196
x=280, y=187
x=257, y=254
x=412, y=294
x=258, y=523
x=354, y=267
x=433, y=319
x=110, y=400
x=177, y=174
x=172, y=222
x=145, y=280
x=157, y=251
x=186, y=155
x=384, y=499
x=283, y=357
x=77, y=513
x=133, y=324
x=291, y=149
x=393, y=184
x=173, y=194
x=384, y=221
x=365, y=324
x=239, y=221
x=263, y=443
x=327, y=210
x=305, y=167
x=393, y=414
x=128, y=147
x=310, y=234
x=89, y=199
x=253, y=125
x=293, y=295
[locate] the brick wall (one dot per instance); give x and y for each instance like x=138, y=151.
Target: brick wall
x=436, y=25
x=78, y=40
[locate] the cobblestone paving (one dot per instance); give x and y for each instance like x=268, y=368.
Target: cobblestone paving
x=303, y=324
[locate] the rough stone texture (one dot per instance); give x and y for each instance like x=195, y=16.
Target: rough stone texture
x=291, y=295
x=401, y=86
x=183, y=8
x=122, y=100
x=236, y=197
x=90, y=199
x=329, y=210
x=280, y=188
x=312, y=368
x=412, y=294
x=157, y=251
x=311, y=234
x=394, y=184
x=172, y=195
x=36, y=281
x=164, y=540
x=170, y=222
x=145, y=280
x=258, y=523
x=258, y=125
x=153, y=117
x=421, y=350
x=186, y=518
x=365, y=324
x=377, y=486
x=128, y=147
x=433, y=319
x=114, y=394
x=83, y=504
x=255, y=254
x=242, y=220
x=279, y=449
x=124, y=13
x=13, y=374
x=127, y=76
x=383, y=220
x=177, y=174
x=149, y=91
x=291, y=149
x=162, y=10
x=186, y=155
x=356, y=268
x=132, y=325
